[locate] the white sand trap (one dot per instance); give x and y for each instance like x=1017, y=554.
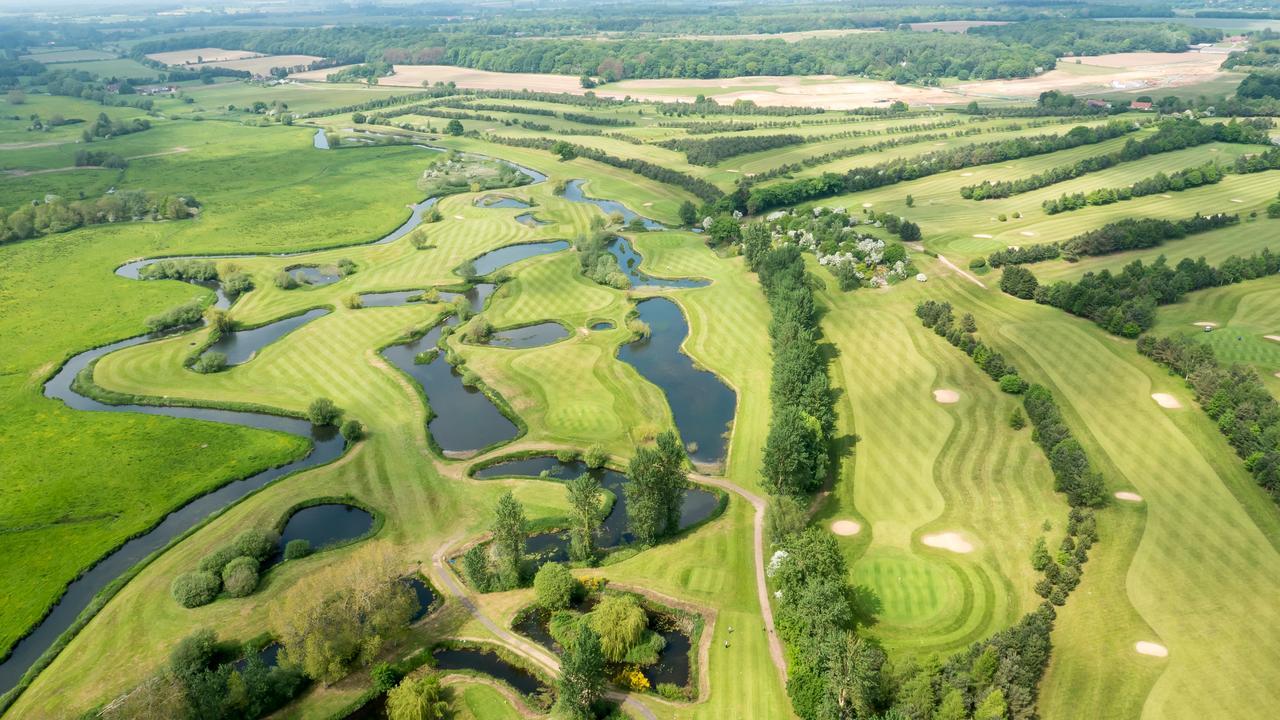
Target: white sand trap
x=866, y=204
x=1149, y=648
x=948, y=541
x=648, y=204
x=946, y=397
x=1027, y=233
x=1166, y=197
x=1128, y=496
x=845, y=527
x=458, y=217
x=1166, y=400
x=984, y=236
x=1236, y=200
x=1205, y=323
x=1275, y=338
x=966, y=174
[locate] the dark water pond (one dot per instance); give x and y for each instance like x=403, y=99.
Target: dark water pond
x=489, y=664
x=388, y=299
x=530, y=220
x=529, y=336
x=702, y=406
x=323, y=525
x=464, y=417
x=311, y=275
x=423, y=593
x=574, y=192
x=497, y=259
x=501, y=201
x=241, y=345
x=629, y=261
x=697, y=506
x=320, y=141
x=327, y=445
x=269, y=655
x=604, y=325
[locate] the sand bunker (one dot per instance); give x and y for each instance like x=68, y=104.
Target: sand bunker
x=866, y=204
x=1276, y=338
x=1166, y=197
x=946, y=397
x=1205, y=323
x=1128, y=496
x=458, y=217
x=1027, y=233
x=984, y=236
x=1166, y=400
x=1149, y=648
x=1236, y=200
x=845, y=527
x=966, y=174
x=948, y=541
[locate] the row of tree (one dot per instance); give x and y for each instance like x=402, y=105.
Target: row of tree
x=1024, y=254
x=710, y=151
x=58, y=215
x=1234, y=396
x=1138, y=233
x=903, y=169
x=1208, y=174
x=1172, y=134
x=1125, y=303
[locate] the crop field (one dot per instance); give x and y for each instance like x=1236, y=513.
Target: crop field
x=925, y=523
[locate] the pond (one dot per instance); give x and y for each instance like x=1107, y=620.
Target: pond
x=529, y=336
x=574, y=192
x=673, y=662
x=493, y=202
x=320, y=141
x=497, y=259
x=327, y=524
x=697, y=505
x=629, y=260
x=490, y=664
x=602, y=325
x=422, y=591
x=701, y=404
x=240, y=346
x=327, y=445
x=464, y=418
x=388, y=299
x=312, y=275
x=475, y=295
x=530, y=220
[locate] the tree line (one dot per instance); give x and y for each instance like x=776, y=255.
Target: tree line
x=1138, y=233
x=1172, y=134
x=894, y=171
x=710, y=151
x=1234, y=396
x=58, y=215
x=1209, y=173
x=1125, y=303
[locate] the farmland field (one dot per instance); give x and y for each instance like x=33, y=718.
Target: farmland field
x=544, y=396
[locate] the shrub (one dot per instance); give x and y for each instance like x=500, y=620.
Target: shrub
x=240, y=577
x=285, y=280
x=255, y=543
x=352, y=302
x=1016, y=420
x=554, y=586
x=323, y=411
x=194, y=589
x=193, y=654
x=596, y=456
x=1018, y=282
x=620, y=622
x=352, y=430
x=977, y=263
x=385, y=676
x=215, y=561
x=671, y=691
x=297, y=549
x=347, y=266
x=210, y=362
x=1013, y=384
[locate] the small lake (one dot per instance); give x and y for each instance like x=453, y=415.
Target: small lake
x=312, y=275
x=602, y=325
x=423, y=593
x=629, y=260
x=697, y=506
x=529, y=336
x=490, y=664
x=475, y=295
x=494, y=202
x=324, y=525
x=530, y=220
x=241, y=345
x=701, y=404
x=320, y=141
x=388, y=299
x=497, y=259
x=574, y=192
x=464, y=417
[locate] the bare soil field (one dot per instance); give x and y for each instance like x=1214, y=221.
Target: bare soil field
x=955, y=26
x=1102, y=73
x=199, y=55
x=261, y=65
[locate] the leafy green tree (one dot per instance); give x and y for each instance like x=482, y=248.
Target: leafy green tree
x=620, y=622
x=952, y=706
x=385, y=676
x=724, y=229
x=1040, y=557
x=655, y=487
x=1016, y=419
x=564, y=150
x=854, y=687
x=688, y=213
x=454, y=127
x=1018, y=282
x=795, y=458
x=584, y=509
x=420, y=699
x=323, y=411
x=352, y=430
x=992, y=706
x=786, y=516
x=582, y=675
x=240, y=577
x=756, y=241
x=509, y=528
x=554, y=586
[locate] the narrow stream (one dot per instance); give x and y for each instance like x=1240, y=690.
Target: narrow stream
x=629, y=260
x=241, y=346
x=574, y=192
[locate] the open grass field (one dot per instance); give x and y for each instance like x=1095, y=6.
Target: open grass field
x=948, y=498
x=122, y=68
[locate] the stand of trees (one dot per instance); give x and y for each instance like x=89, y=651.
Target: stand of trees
x=1125, y=303
x=58, y=215
x=1208, y=174
x=895, y=171
x=105, y=127
x=1023, y=255
x=655, y=487
x=1137, y=233
x=1173, y=134
x=711, y=151
x=1234, y=396
x=803, y=417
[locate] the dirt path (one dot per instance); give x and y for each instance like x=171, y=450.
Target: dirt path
x=963, y=274
x=762, y=588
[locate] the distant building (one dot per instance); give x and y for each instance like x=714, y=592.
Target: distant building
x=1140, y=105
x=1097, y=103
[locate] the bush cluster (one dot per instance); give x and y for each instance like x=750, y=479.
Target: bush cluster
x=232, y=569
